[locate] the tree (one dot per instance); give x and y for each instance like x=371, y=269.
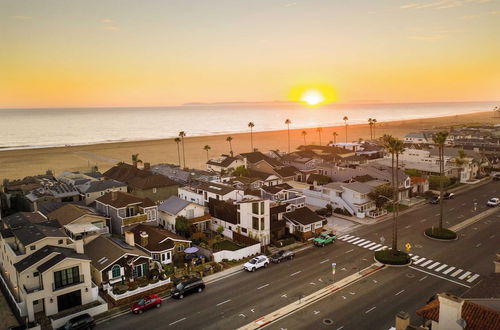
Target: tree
x=183, y=226
x=345, y=119
x=398, y=149
x=376, y=194
x=335, y=134
x=374, y=121
x=182, y=134
x=390, y=145
x=251, y=125
x=135, y=159
x=229, y=139
x=207, y=148
x=440, y=139
x=370, y=124
x=319, y=130
x=178, y=141
x=304, y=133
x=287, y=123
x=329, y=208
x=241, y=171
x=220, y=229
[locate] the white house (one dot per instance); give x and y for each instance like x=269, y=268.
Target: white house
x=91, y=190
x=200, y=192
x=225, y=163
x=303, y=223
x=174, y=207
x=418, y=137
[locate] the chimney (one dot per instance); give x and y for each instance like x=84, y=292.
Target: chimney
x=147, y=166
x=129, y=238
x=79, y=245
x=402, y=320
x=114, y=195
x=144, y=238
x=450, y=312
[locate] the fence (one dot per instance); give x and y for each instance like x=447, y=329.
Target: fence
x=101, y=308
x=138, y=290
x=238, y=254
x=19, y=308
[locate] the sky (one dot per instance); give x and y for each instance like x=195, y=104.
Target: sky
x=58, y=53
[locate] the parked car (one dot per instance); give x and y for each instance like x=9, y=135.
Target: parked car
x=256, y=263
x=188, y=286
x=324, y=239
x=448, y=195
x=493, y=202
x=324, y=212
x=282, y=255
x=83, y=321
x=496, y=176
x=434, y=200
x=151, y=301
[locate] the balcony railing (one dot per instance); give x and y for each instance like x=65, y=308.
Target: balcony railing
x=134, y=219
x=60, y=286
x=33, y=290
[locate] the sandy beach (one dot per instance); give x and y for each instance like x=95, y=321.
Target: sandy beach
x=20, y=163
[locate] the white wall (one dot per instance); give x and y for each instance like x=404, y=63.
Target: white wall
x=238, y=254
x=190, y=196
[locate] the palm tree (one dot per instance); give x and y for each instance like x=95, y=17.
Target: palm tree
x=182, y=134
x=440, y=139
x=135, y=159
x=304, y=133
x=370, y=123
x=374, y=121
x=335, y=134
x=390, y=145
x=251, y=125
x=229, y=139
x=206, y=148
x=398, y=149
x=345, y=119
x=178, y=141
x=319, y=130
x=288, y=122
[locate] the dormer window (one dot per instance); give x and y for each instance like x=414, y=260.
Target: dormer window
x=32, y=247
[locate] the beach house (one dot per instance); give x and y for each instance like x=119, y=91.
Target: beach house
x=200, y=192
x=52, y=190
x=91, y=190
x=225, y=164
x=169, y=210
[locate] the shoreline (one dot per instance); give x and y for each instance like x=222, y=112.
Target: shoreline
x=18, y=163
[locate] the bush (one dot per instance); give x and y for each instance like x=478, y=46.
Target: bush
x=285, y=242
x=153, y=281
x=441, y=233
x=386, y=256
x=435, y=180
x=120, y=289
x=132, y=286
x=429, y=194
x=339, y=210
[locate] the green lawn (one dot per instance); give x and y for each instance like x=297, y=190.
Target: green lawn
x=227, y=245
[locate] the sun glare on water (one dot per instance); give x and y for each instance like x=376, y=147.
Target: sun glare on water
x=312, y=97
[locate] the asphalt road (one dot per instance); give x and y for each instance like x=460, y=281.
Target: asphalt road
x=244, y=297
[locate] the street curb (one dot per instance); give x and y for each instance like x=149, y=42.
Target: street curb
x=473, y=219
x=441, y=240
x=393, y=266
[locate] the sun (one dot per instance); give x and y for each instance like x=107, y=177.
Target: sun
x=312, y=97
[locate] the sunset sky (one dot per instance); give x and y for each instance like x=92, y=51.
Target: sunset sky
x=147, y=53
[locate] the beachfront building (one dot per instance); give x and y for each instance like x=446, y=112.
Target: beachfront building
x=78, y=178
x=160, y=244
x=169, y=210
x=125, y=210
x=283, y=193
x=54, y=191
x=225, y=164
x=45, y=272
x=418, y=138
x=200, y=192
x=91, y=190
x=303, y=223
x=184, y=176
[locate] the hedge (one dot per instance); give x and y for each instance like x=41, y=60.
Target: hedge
x=442, y=233
x=387, y=257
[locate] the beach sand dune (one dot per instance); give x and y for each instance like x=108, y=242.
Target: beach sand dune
x=19, y=163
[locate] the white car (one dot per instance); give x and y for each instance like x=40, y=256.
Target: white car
x=493, y=202
x=256, y=263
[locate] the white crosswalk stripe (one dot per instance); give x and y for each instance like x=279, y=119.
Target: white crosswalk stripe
x=371, y=244
x=464, y=275
x=441, y=267
x=353, y=239
x=433, y=265
x=448, y=270
x=473, y=278
x=360, y=242
x=356, y=241
x=426, y=263
x=375, y=246
x=419, y=261
x=415, y=258
x=381, y=248
x=344, y=236
x=364, y=244
x=456, y=273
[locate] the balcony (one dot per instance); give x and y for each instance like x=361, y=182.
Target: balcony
x=134, y=219
x=32, y=290
x=60, y=286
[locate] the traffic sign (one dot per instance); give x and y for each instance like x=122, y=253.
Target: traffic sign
x=408, y=246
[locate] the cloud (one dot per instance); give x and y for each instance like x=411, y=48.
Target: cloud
x=441, y=4
x=112, y=28
x=21, y=17
x=106, y=20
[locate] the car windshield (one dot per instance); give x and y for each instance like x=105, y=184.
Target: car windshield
x=141, y=302
x=253, y=261
x=180, y=286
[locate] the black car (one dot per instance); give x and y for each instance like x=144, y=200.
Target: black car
x=282, y=255
x=434, y=200
x=84, y=321
x=188, y=286
x=448, y=195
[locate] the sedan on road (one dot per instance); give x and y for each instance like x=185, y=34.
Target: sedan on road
x=256, y=263
x=186, y=287
x=493, y=202
x=282, y=255
x=324, y=239
x=448, y=195
x=151, y=301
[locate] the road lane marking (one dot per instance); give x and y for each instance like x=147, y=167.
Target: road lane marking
x=415, y=257
x=433, y=265
x=478, y=245
x=448, y=270
x=452, y=209
x=456, y=273
x=423, y=220
x=492, y=236
x=365, y=243
x=326, y=260
x=344, y=236
x=296, y=273
x=262, y=287
x=464, y=275
x=356, y=243
x=419, y=261
x=177, y=321
x=340, y=328
x=441, y=277
x=353, y=239
x=425, y=263
x=400, y=292
x=463, y=204
x=408, y=226
x=441, y=267
x=473, y=278
x=381, y=248
x=436, y=215
x=423, y=278
x=368, y=311
x=369, y=245
x=350, y=250
x=375, y=246
x=224, y=302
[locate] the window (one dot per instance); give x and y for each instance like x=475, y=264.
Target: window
x=32, y=247
x=66, y=277
x=238, y=218
x=140, y=270
x=255, y=208
x=262, y=224
x=116, y=271
x=167, y=256
x=261, y=208
x=244, y=230
x=88, y=195
x=255, y=223
x=60, y=241
x=156, y=256
x=35, y=274
x=180, y=248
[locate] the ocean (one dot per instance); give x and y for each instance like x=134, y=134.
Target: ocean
x=38, y=128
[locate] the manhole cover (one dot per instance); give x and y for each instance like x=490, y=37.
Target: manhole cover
x=410, y=275
x=328, y=321
x=418, y=246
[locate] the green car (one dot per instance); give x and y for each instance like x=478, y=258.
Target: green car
x=324, y=239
